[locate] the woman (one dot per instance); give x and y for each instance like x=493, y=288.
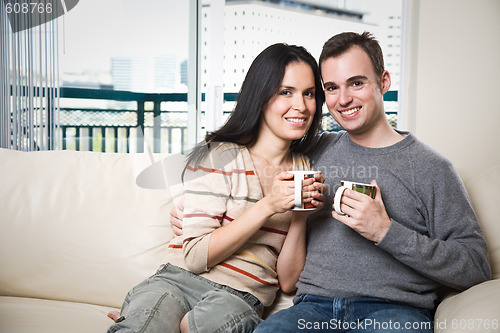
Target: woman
x=225, y=267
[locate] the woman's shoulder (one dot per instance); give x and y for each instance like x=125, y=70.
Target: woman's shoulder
x=222, y=155
x=224, y=147
x=226, y=150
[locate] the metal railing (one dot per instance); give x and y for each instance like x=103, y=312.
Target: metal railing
x=124, y=122
x=121, y=121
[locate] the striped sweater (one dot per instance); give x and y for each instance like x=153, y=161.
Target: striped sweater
x=221, y=188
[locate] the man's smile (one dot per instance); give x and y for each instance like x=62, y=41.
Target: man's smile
x=350, y=111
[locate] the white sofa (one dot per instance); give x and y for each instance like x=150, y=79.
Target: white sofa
x=77, y=232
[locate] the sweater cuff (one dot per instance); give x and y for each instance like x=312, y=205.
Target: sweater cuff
x=397, y=238
x=196, y=258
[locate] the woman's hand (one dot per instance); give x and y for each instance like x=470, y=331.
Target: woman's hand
x=281, y=197
x=312, y=191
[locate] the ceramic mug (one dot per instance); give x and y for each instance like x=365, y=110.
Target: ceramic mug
x=298, y=177
x=367, y=189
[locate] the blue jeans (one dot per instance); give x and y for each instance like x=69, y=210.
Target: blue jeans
x=158, y=304
x=320, y=314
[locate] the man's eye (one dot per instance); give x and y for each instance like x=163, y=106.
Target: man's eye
x=357, y=84
x=331, y=88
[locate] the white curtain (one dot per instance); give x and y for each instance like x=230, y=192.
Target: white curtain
x=29, y=77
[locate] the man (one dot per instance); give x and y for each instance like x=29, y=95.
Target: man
x=377, y=268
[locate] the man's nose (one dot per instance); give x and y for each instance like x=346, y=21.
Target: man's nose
x=345, y=97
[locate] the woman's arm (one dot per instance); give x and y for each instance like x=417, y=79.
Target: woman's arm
x=292, y=257
x=227, y=239
x=207, y=241
x=293, y=254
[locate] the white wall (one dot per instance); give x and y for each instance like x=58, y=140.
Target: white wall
x=455, y=81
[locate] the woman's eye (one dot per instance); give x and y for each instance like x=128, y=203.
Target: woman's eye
x=285, y=92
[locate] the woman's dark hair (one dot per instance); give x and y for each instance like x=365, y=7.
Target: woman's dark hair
x=262, y=82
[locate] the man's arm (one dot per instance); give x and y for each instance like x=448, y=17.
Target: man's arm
x=176, y=214
x=452, y=252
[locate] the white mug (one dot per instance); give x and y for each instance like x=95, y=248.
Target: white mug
x=367, y=189
x=298, y=177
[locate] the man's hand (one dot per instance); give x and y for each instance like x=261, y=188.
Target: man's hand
x=176, y=214
x=365, y=215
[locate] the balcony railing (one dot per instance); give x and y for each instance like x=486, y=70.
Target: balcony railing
x=122, y=121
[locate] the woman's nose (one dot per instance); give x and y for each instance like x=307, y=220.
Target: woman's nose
x=299, y=104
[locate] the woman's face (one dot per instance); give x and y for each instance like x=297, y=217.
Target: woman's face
x=289, y=114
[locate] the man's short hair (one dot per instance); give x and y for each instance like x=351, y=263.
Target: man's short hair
x=342, y=42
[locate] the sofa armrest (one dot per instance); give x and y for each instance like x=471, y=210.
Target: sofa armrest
x=474, y=310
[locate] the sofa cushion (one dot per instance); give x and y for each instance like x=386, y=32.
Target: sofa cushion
x=76, y=227
x=474, y=310
x=22, y=315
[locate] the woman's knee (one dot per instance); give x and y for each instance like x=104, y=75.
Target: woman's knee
x=155, y=299
x=222, y=311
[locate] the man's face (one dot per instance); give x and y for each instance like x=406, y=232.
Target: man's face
x=353, y=96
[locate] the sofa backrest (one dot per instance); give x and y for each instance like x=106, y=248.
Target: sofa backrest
x=75, y=226
x=484, y=191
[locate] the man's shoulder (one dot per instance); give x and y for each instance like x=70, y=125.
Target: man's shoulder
x=326, y=139
x=428, y=160
x=326, y=135
x=426, y=152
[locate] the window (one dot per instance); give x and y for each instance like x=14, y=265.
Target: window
x=126, y=67
x=309, y=26
x=134, y=57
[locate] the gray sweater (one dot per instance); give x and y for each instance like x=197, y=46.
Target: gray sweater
x=434, y=238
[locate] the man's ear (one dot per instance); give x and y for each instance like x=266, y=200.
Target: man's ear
x=385, y=82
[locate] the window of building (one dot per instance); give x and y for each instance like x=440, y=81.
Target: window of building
x=124, y=51
x=310, y=26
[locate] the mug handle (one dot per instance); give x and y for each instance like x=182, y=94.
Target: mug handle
x=337, y=198
x=297, y=178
